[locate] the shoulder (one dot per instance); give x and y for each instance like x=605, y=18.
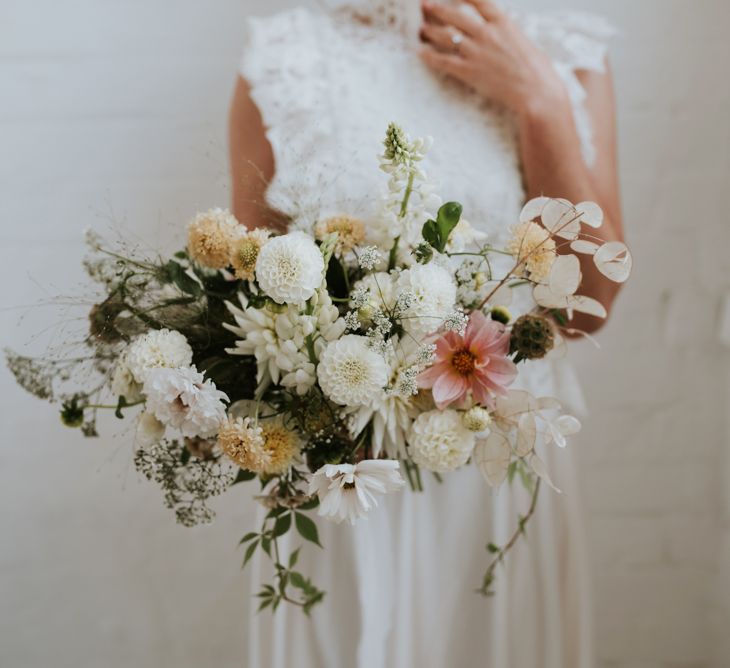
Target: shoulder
x=576, y=40
x=286, y=38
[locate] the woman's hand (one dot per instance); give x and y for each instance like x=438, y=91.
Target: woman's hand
x=490, y=54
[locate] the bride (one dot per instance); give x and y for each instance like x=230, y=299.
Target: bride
x=518, y=105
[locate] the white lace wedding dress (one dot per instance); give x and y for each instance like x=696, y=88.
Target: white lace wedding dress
x=400, y=585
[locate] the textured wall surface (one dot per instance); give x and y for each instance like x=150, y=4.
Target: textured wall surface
x=115, y=111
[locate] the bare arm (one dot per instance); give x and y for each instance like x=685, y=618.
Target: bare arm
x=252, y=162
x=498, y=60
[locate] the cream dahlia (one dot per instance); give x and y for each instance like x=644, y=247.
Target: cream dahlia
x=434, y=297
x=183, y=399
x=350, y=232
x=241, y=440
x=245, y=252
x=532, y=245
x=210, y=238
x=439, y=441
x=351, y=373
x=289, y=268
x=349, y=491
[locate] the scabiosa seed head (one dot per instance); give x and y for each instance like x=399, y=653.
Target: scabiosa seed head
x=532, y=337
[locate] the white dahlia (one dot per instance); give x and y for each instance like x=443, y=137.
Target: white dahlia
x=348, y=491
x=439, y=441
x=434, y=297
x=289, y=268
x=160, y=348
x=183, y=399
x=123, y=382
x=351, y=373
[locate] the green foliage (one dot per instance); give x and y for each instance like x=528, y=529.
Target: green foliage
x=72, y=413
x=436, y=232
x=174, y=272
x=307, y=528
x=289, y=585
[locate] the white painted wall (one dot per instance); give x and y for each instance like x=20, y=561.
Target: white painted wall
x=116, y=109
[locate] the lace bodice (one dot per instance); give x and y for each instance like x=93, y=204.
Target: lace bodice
x=327, y=86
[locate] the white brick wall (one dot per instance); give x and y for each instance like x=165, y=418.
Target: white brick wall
x=117, y=109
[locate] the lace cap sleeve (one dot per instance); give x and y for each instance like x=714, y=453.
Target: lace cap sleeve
x=574, y=41
x=283, y=63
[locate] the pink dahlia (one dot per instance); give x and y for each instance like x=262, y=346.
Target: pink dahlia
x=476, y=361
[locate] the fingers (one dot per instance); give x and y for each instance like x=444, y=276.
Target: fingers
x=450, y=16
x=445, y=63
x=486, y=8
x=442, y=38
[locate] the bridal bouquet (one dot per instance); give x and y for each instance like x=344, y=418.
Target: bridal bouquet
x=336, y=361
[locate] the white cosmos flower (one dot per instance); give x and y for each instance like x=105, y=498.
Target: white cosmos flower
x=183, y=399
x=439, y=441
x=435, y=297
x=349, y=491
x=161, y=348
x=351, y=373
x=289, y=268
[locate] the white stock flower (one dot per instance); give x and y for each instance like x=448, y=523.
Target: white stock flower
x=439, y=441
x=161, y=348
x=289, y=268
x=350, y=373
x=434, y=294
x=349, y=491
x=183, y=399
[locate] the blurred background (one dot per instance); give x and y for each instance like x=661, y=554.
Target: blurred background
x=113, y=115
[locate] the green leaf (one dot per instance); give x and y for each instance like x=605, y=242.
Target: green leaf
x=184, y=456
x=282, y=525
x=275, y=512
x=491, y=547
x=447, y=219
x=336, y=279
x=298, y=580
x=511, y=470
x=436, y=232
x=266, y=545
x=307, y=528
x=430, y=233
x=243, y=475
x=122, y=403
x=265, y=604
x=249, y=552
x=311, y=504
x=175, y=273
x=293, y=558
x=249, y=536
